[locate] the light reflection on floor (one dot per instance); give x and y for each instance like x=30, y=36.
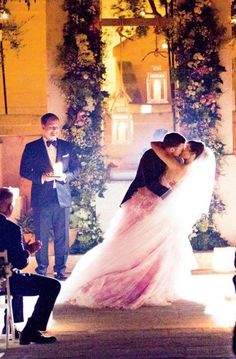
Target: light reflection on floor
x=214, y=291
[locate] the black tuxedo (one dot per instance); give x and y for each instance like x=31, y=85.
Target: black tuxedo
x=150, y=170
x=24, y=284
x=50, y=200
x=35, y=162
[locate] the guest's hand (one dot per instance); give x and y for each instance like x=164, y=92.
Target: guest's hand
x=33, y=247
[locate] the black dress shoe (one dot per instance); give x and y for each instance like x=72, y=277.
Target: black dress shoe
x=17, y=333
x=60, y=276
x=35, y=337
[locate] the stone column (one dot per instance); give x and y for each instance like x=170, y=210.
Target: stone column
x=1, y=171
x=226, y=99
x=227, y=181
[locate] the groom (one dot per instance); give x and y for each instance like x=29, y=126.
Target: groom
x=151, y=167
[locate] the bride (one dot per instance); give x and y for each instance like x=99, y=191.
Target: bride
x=146, y=257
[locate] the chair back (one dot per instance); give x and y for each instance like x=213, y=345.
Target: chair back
x=5, y=273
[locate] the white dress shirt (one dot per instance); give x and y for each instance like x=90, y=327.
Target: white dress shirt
x=52, y=155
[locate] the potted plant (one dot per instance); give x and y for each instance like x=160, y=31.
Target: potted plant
x=26, y=222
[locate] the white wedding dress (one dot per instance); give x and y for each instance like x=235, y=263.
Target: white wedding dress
x=146, y=257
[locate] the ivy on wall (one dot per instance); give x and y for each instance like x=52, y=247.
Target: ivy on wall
x=81, y=58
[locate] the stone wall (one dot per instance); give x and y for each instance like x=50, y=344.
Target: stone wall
x=15, y=132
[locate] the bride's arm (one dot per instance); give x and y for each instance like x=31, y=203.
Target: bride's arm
x=171, y=162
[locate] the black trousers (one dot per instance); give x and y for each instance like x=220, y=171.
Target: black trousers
x=25, y=284
x=46, y=218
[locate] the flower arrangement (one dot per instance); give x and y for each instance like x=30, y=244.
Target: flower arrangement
x=196, y=39
x=80, y=55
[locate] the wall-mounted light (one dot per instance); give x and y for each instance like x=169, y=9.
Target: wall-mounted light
x=164, y=45
x=142, y=13
x=233, y=20
x=4, y=15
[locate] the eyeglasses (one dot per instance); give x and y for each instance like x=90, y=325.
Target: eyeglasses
x=52, y=127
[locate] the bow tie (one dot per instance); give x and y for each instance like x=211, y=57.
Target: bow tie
x=54, y=143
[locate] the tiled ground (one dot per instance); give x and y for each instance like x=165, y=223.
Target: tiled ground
x=186, y=329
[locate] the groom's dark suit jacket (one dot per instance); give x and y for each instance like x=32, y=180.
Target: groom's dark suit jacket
x=35, y=162
x=149, y=173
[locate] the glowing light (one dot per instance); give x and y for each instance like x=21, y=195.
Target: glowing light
x=233, y=20
x=146, y=108
x=157, y=87
x=222, y=310
x=58, y=169
x=216, y=292
x=164, y=45
x=4, y=15
x=223, y=259
x=120, y=116
x=16, y=192
x=142, y=13
x=122, y=128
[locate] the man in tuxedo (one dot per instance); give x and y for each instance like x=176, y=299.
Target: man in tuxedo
x=25, y=284
x=151, y=167
x=51, y=164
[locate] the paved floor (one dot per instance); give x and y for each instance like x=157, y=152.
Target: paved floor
x=185, y=329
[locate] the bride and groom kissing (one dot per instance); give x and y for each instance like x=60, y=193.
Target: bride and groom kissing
x=146, y=257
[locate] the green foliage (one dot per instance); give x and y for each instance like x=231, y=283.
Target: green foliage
x=196, y=37
x=208, y=240
x=80, y=55
x=131, y=8
x=26, y=222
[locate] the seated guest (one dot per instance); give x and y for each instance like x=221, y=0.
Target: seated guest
x=25, y=284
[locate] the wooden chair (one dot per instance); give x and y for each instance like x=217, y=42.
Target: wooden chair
x=5, y=273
